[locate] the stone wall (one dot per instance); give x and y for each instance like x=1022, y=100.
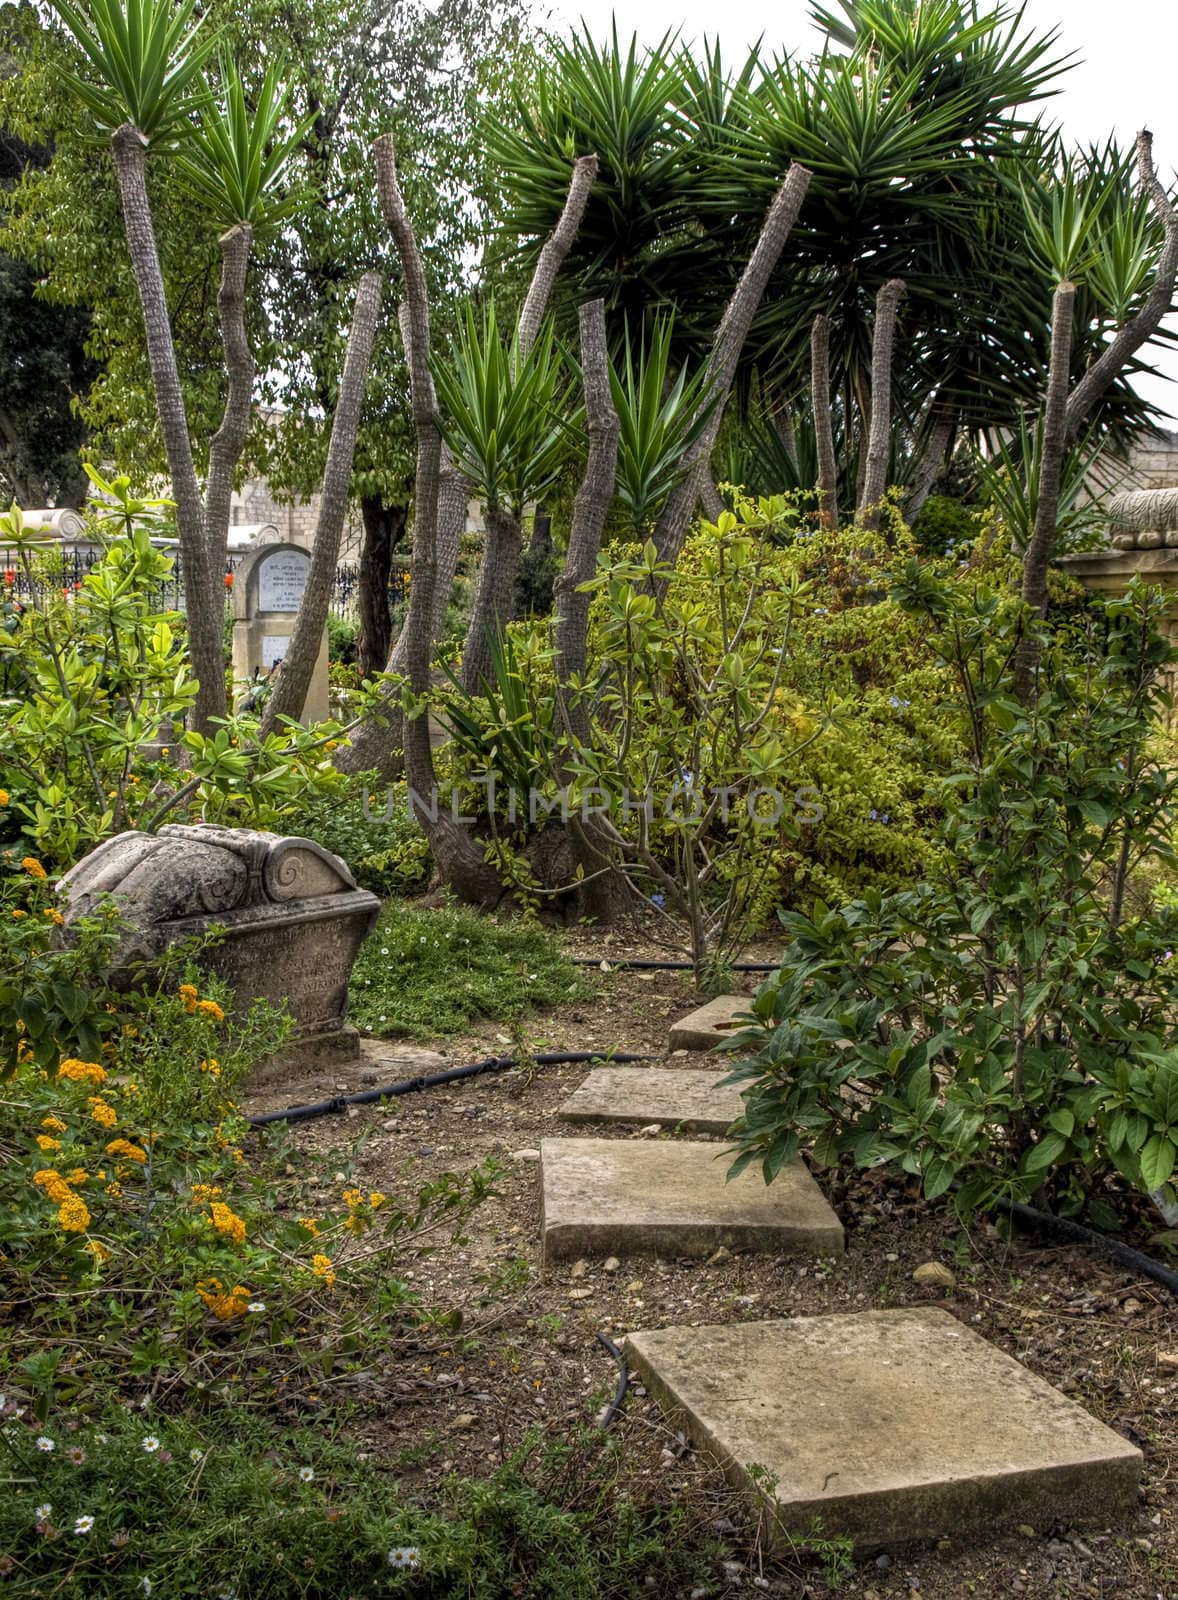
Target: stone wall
x=1153, y=462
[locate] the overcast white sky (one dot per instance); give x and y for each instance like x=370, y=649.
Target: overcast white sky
x=1126, y=77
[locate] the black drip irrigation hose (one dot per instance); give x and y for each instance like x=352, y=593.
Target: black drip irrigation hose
x=1075, y=1233
x=610, y=1414
x=389, y=1091
x=634, y=964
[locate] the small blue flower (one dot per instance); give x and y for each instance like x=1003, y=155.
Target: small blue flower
x=873, y=814
x=658, y=901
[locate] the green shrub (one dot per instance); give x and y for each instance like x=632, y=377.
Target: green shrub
x=369, y=825
x=1003, y=1025
x=141, y=1504
x=343, y=636
x=424, y=973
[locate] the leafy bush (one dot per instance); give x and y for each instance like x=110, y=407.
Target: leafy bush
x=1002, y=1025
x=343, y=634
x=96, y=687
x=423, y=973
x=368, y=824
x=134, y=1505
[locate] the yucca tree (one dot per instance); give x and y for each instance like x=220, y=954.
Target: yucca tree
x=504, y=406
x=660, y=414
x=147, y=90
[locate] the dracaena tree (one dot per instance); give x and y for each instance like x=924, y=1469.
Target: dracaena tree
x=146, y=89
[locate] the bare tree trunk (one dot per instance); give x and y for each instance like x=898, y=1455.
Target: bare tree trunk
x=828, y=475
x=294, y=679
x=710, y=499
x=203, y=591
x=1129, y=339
x=932, y=461
x=493, y=596
x=605, y=889
x=229, y=440
x=883, y=349
x=783, y=422
x=676, y=515
x=1055, y=437
x=384, y=526
x=459, y=860
x=556, y=248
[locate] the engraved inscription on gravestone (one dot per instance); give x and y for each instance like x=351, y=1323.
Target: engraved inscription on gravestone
x=282, y=578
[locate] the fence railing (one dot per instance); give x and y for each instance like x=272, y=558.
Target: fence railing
x=65, y=570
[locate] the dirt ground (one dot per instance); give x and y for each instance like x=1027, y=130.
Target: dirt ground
x=528, y=1355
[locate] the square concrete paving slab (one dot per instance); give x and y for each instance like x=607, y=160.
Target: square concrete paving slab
x=710, y=1025
x=890, y=1426
x=617, y=1197
x=693, y=1101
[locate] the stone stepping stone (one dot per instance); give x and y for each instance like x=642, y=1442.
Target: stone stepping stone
x=616, y=1197
x=692, y=1101
x=710, y=1025
x=890, y=1426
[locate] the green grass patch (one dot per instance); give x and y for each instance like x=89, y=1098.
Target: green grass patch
x=425, y=973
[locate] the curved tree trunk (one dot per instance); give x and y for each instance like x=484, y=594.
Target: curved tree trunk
x=1037, y=555
x=932, y=462
x=203, y=587
x=677, y=512
x=556, y=248
x=458, y=858
x=828, y=474
x=883, y=349
x=290, y=691
x=493, y=597
x=605, y=888
x=229, y=440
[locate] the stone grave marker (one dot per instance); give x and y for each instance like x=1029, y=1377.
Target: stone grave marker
x=690, y=1101
x=709, y=1025
x=267, y=592
x=293, y=917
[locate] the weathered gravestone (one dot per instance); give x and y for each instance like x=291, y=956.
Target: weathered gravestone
x=268, y=589
x=293, y=918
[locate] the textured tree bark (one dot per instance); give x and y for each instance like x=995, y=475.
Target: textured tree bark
x=203, y=587
x=229, y=440
x=783, y=423
x=709, y=498
x=1128, y=340
x=458, y=858
x=605, y=888
x=676, y=515
x=556, y=248
x=290, y=690
x=493, y=596
x=1037, y=555
x=932, y=462
x=883, y=350
x=384, y=526
x=828, y=476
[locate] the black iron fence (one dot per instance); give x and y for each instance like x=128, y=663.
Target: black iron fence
x=64, y=571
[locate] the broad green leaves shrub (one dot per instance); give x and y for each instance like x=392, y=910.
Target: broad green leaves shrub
x=1002, y=1026
x=94, y=687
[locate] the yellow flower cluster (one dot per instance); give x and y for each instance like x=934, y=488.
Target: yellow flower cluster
x=97, y=1250
x=202, y=1193
x=227, y=1221
x=54, y=916
x=47, y=1143
x=73, y=1215
x=210, y=1008
x=123, y=1147
x=82, y=1071
x=104, y=1114
x=53, y=1124
x=54, y=1185
x=224, y=1304
x=322, y=1268
x=310, y=1224
x=212, y=1067
x=189, y=993
x=33, y=867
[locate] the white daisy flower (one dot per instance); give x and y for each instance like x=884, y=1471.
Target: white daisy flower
x=196, y=1455
x=83, y=1524
x=406, y=1556
x=42, y=1513
x=306, y=1474
x=256, y=1305
x=151, y=1444
x=45, y=1444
